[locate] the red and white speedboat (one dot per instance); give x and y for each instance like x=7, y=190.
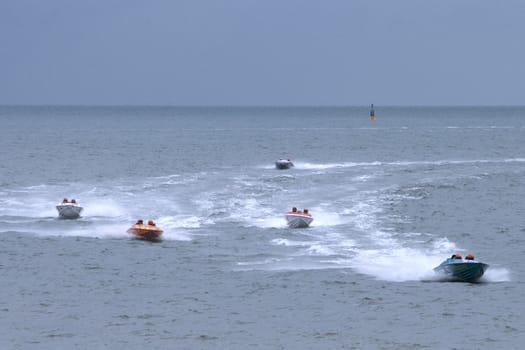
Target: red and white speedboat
x=148, y=231
x=69, y=209
x=298, y=219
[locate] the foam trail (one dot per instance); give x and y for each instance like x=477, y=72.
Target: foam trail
x=320, y=166
x=176, y=235
x=323, y=218
x=496, y=275
x=65, y=228
x=177, y=227
x=102, y=208
x=399, y=265
x=180, y=221
x=319, y=250
x=272, y=222
x=107, y=231
x=290, y=243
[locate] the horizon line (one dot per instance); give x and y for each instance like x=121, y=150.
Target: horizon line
x=255, y=105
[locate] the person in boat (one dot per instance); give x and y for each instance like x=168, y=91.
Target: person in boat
x=294, y=210
x=469, y=257
x=65, y=200
x=456, y=256
x=305, y=212
x=73, y=201
x=139, y=222
x=151, y=223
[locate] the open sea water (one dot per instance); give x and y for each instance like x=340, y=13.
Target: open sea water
x=391, y=199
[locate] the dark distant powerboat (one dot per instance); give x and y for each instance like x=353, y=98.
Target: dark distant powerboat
x=299, y=219
x=283, y=163
x=457, y=269
x=149, y=231
x=69, y=209
x=372, y=113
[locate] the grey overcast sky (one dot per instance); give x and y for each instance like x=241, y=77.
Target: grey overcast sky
x=262, y=52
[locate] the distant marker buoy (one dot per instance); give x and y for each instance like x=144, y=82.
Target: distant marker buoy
x=372, y=113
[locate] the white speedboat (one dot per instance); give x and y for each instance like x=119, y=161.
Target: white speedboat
x=298, y=219
x=283, y=163
x=69, y=209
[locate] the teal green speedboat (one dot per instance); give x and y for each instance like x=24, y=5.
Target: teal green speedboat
x=456, y=268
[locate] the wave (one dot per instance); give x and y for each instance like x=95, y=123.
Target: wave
x=497, y=274
x=348, y=231
x=377, y=254
x=300, y=165
x=103, y=208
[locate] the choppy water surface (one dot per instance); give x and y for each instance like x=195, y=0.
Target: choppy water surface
x=391, y=199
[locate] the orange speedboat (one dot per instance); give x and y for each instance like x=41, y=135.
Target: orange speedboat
x=148, y=231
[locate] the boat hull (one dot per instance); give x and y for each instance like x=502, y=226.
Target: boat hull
x=283, y=164
x=69, y=211
x=461, y=270
x=146, y=232
x=298, y=220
